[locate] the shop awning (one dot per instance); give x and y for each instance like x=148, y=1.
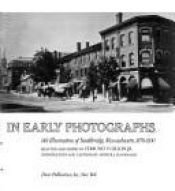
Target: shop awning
x=65, y=85
x=60, y=88
x=146, y=84
x=163, y=85
x=113, y=84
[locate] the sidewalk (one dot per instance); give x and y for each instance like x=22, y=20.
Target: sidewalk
x=101, y=99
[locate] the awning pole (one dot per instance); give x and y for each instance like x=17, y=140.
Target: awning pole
x=119, y=96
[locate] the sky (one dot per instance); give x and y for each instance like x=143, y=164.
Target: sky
x=22, y=34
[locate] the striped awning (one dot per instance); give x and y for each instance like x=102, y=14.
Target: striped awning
x=163, y=85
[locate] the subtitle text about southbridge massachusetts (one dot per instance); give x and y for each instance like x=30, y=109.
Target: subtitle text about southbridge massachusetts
x=97, y=140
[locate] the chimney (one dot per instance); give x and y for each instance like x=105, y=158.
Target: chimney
x=118, y=18
x=78, y=46
x=87, y=44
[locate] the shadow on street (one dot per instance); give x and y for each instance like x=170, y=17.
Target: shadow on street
x=11, y=107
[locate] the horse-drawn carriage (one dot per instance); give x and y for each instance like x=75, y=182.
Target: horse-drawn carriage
x=62, y=90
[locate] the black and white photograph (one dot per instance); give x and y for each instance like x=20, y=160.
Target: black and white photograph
x=87, y=95
x=87, y=62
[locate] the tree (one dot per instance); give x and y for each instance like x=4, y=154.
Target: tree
x=44, y=69
x=108, y=71
x=92, y=78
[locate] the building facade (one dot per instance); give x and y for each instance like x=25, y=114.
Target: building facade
x=144, y=47
x=26, y=83
x=79, y=61
x=3, y=74
x=16, y=68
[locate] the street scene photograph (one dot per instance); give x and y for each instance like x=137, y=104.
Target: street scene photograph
x=87, y=62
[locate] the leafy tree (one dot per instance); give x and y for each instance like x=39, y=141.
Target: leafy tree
x=44, y=68
x=108, y=71
x=92, y=78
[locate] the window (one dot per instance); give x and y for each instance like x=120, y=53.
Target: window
x=145, y=35
x=131, y=59
x=123, y=61
x=158, y=35
x=81, y=72
x=158, y=55
x=145, y=57
x=84, y=59
x=86, y=71
x=113, y=43
x=122, y=40
x=87, y=57
x=131, y=37
x=106, y=44
x=166, y=37
x=167, y=55
x=96, y=55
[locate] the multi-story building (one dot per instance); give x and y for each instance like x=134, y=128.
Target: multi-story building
x=79, y=61
x=144, y=47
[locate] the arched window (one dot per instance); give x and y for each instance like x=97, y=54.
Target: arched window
x=131, y=37
x=113, y=43
x=131, y=59
x=122, y=40
x=123, y=61
x=106, y=44
x=145, y=56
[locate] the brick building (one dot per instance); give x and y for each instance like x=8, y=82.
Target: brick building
x=144, y=47
x=79, y=61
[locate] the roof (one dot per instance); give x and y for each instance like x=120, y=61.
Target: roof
x=95, y=47
x=138, y=19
